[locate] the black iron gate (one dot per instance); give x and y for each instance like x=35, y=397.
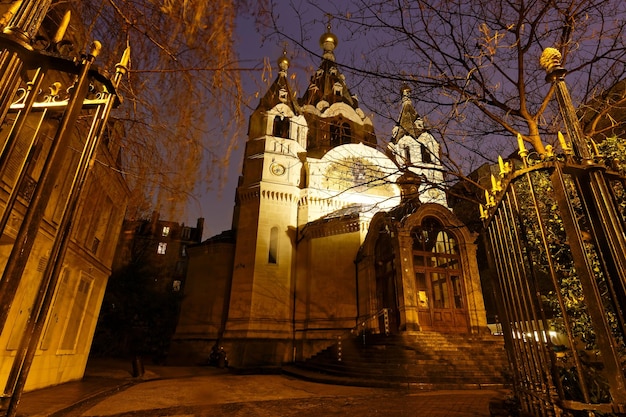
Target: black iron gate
x=556, y=225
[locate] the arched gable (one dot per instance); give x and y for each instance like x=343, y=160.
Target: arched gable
x=381, y=221
x=445, y=216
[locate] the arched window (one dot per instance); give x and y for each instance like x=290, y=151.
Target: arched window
x=281, y=127
x=346, y=135
x=335, y=136
x=272, y=257
x=340, y=134
x=437, y=266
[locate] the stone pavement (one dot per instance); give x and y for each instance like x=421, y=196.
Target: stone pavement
x=109, y=390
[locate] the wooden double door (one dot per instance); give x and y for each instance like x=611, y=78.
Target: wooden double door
x=441, y=300
x=441, y=296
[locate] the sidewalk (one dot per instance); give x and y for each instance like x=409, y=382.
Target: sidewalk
x=108, y=389
x=102, y=377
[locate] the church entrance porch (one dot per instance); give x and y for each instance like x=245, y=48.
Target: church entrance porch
x=422, y=271
x=437, y=267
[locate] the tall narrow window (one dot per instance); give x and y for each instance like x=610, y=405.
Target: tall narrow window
x=61, y=299
x=407, y=154
x=273, y=250
x=281, y=127
x=335, y=135
x=426, y=155
x=162, y=248
x=166, y=231
x=346, y=135
x=340, y=134
x=77, y=313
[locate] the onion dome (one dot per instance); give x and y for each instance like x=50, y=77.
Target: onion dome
x=328, y=42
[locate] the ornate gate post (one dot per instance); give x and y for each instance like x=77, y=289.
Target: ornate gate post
x=606, y=228
x=557, y=240
x=89, y=89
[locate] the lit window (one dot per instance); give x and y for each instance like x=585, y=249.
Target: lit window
x=166, y=231
x=162, y=248
x=183, y=250
x=176, y=285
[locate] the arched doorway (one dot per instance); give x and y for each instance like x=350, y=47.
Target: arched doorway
x=442, y=303
x=386, y=291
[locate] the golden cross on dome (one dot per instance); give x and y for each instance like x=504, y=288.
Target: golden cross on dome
x=329, y=16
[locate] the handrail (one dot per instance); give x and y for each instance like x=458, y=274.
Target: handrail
x=382, y=312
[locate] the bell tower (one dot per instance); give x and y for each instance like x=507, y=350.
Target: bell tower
x=258, y=327
x=415, y=149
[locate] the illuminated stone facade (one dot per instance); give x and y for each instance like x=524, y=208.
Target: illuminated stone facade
x=66, y=340
x=302, y=264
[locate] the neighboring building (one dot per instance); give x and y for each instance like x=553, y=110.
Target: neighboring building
x=64, y=345
x=142, y=302
x=327, y=234
x=162, y=245
x=66, y=341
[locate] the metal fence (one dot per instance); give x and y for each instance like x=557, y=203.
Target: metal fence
x=556, y=224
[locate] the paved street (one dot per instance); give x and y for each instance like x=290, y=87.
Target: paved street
x=202, y=391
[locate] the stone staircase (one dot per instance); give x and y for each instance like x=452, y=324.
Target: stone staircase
x=420, y=360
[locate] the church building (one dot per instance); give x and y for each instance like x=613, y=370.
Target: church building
x=332, y=234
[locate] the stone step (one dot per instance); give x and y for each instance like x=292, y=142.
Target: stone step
x=424, y=358
x=406, y=373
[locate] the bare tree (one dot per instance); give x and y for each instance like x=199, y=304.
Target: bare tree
x=183, y=96
x=473, y=66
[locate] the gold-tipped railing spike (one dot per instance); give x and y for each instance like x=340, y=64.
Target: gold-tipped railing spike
x=483, y=212
x=549, y=152
x=122, y=66
x=505, y=167
x=522, y=147
x=490, y=202
x=95, y=48
x=564, y=145
x=60, y=33
x=495, y=185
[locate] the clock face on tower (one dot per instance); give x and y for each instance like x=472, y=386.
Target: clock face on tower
x=277, y=169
